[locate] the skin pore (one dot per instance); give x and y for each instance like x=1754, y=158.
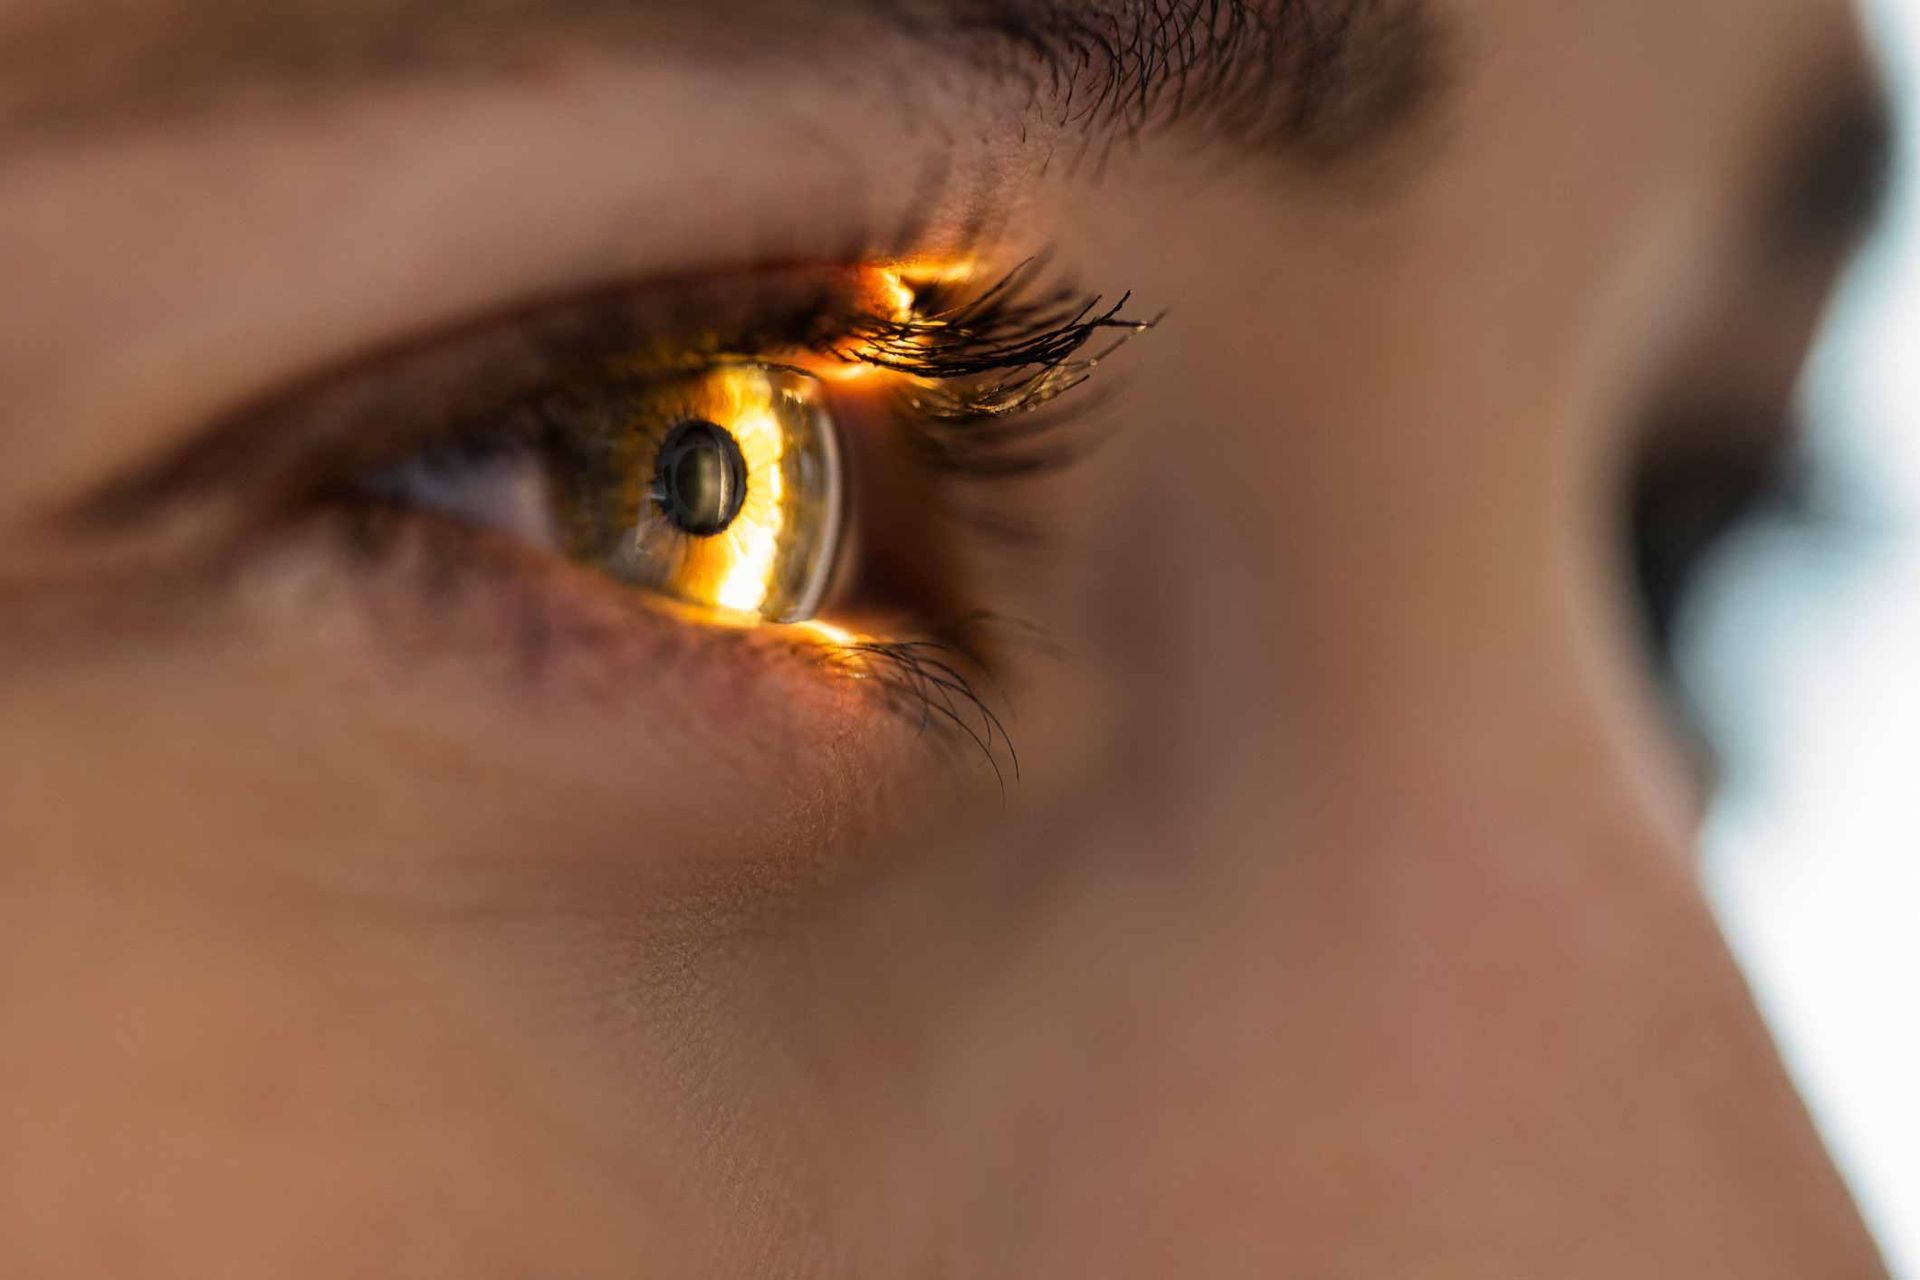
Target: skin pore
x=443, y=908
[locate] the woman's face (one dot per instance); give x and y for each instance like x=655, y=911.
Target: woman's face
x=452, y=824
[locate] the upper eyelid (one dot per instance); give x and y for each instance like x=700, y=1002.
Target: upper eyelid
x=976, y=356
x=365, y=411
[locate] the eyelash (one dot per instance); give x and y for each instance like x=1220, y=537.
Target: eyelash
x=980, y=366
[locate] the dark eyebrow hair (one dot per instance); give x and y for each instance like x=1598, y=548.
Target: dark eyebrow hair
x=1319, y=79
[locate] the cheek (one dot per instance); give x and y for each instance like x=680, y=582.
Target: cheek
x=278, y=1083
x=390, y=730
x=1424, y=1021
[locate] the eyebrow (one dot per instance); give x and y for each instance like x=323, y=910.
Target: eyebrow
x=1318, y=80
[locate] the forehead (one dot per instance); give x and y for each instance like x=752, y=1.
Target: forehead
x=1637, y=60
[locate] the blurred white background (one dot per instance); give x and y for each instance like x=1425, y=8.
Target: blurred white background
x=1814, y=858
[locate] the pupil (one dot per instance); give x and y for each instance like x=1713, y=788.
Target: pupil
x=700, y=479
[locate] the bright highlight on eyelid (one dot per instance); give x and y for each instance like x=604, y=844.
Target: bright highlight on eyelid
x=900, y=291
x=905, y=299
x=905, y=283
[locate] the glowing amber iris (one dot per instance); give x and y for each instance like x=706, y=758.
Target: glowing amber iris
x=773, y=558
x=739, y=568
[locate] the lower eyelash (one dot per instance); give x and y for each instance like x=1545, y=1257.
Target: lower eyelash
x=923, y=681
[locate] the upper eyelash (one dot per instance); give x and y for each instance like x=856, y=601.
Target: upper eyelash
x=1035, y=334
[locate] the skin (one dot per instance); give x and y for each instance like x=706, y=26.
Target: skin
x=1342, y=922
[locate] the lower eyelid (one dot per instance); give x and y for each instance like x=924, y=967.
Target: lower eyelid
x=432, y=593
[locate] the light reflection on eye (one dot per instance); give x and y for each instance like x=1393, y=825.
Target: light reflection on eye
x=721, y=490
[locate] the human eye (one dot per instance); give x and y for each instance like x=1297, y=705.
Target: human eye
x=749, y=451
x=720, y=488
